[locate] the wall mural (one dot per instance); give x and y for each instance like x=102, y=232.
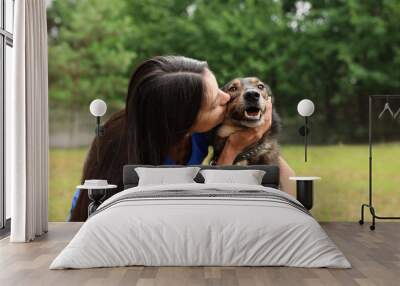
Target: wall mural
x=233, y=98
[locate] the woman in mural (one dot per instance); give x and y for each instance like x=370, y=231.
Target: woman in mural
x=173, y=104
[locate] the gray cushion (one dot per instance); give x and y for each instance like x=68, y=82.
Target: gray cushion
x=249, y=177
x=161, y=176
x=270, y=179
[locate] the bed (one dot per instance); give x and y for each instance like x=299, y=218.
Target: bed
x=198, y=224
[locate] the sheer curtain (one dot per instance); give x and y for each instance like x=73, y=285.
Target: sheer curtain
x=27, y=137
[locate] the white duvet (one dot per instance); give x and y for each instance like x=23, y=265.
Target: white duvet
x=183, y=231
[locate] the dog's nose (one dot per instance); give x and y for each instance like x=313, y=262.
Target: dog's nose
x=252, y=96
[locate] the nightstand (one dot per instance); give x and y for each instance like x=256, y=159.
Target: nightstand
x=97, y=195
x=304, y=190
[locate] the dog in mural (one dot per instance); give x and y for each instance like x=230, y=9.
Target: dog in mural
x=246, y=109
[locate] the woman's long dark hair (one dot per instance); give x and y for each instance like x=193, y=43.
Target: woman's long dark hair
x=165, y=94
x=164, y=97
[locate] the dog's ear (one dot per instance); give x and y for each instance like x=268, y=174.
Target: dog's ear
x=269, y=91
x=225, y=87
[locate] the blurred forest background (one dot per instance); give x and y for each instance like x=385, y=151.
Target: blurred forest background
x=334, y=52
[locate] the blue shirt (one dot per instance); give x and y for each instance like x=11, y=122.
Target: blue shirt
x=198, y=153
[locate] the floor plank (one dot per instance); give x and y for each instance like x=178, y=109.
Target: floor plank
x=374, y=255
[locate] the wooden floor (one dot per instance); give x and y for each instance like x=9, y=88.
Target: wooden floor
x=374, y=255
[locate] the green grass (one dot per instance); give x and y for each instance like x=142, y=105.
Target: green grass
x=338, y=196
x=65, y=173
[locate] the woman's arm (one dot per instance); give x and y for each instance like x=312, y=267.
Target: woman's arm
x=227, y=155
x=112, y=158
x=285, y=171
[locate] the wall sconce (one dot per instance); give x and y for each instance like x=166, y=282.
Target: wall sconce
x=98, y=108
x=305, y=108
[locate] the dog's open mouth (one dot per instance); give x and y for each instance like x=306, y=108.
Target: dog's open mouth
x=252, y=113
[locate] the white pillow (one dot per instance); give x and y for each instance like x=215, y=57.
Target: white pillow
x=162, y=176
x=249, y=177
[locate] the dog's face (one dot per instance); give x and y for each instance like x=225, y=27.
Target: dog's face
x=249, y=97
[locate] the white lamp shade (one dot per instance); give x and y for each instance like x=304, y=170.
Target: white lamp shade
x=305, y=107
x=98, y=107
